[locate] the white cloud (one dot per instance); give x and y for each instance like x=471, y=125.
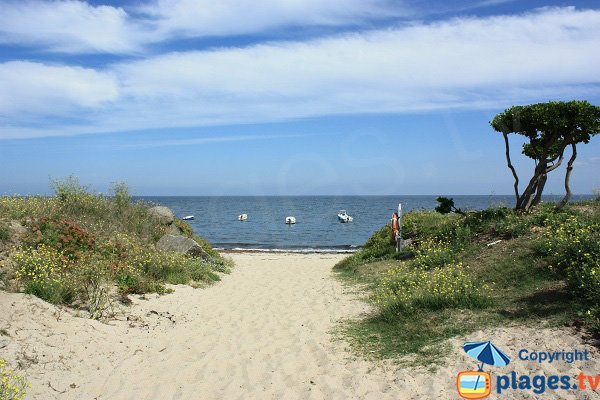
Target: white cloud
x=69, y=26
x=33, y=90
x=461, y=63
x=227, y=17
x=73, y=26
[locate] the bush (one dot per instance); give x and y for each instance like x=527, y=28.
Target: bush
x=121, y=195
x=404, y=290
x=12, y=386
x=185, y=228
x=572, y=249
x=64, y=235
x=80, y=244
x=43, y=271
x=378, y=247
x=432, y=254
x=429, y=225
x=4, y=231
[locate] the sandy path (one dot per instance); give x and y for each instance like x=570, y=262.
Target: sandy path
x=264, y=332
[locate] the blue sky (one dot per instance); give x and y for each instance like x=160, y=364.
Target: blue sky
x=196, y=97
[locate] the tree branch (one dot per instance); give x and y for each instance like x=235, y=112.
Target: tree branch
x=568, y=193
x=512, y=169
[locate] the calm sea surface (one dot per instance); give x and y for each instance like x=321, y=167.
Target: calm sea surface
x=317, y=227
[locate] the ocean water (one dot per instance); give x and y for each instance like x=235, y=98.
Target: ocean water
x=317, y=228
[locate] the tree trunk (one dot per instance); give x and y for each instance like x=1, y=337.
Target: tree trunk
x=568, y=193
x=533, y=193
x=526, y=199
x=512, y=169
x=539, y=190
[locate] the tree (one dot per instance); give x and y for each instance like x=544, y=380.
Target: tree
x=550, y=128
x=446, y=206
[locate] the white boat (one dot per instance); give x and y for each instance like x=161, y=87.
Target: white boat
x=344, y=217
x=243, y=217
x=188, y=218
x=290, y=220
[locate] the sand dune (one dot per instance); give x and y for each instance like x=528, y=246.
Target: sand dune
x=264, y=332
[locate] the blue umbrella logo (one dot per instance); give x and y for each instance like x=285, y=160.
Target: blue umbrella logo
x=486, y=353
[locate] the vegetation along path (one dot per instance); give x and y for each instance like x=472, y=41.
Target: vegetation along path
x=263, y=332
x=267, y=331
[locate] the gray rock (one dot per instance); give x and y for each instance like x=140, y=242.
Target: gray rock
x=163, y=214
x=17, y=228
x=183, y=245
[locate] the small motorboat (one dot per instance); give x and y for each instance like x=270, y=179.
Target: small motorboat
x=188, y=218
x=344, y=217
x=243, y=217
x=290, y=220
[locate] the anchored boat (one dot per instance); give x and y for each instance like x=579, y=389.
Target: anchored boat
x=290, y=220
x=243, y=217
x=344, y=217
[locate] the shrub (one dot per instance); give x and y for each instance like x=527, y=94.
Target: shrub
x=404, y=290
x=432, y=253
x=43, y=271
x=81, y=243
x=12, y=386
x=429, y=225
x=184, y=227
x=64, y=235
x=572, y=249
x=120, y=192
x=378, y=247
x=4, y=231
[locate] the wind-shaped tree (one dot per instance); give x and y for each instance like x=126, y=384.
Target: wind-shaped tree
x=550, y=128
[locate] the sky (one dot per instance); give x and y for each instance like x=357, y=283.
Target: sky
x=286, y=97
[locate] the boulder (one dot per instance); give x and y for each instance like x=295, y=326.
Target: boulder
x=183, y=245
x=163, y=214
x=17, y=228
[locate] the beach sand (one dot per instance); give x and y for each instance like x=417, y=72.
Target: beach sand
x=266, y=331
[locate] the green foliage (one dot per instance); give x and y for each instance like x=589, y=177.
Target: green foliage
x=44, y=272
x=378, y=247
x=545, y=271
x=12, y=385
x=218, y=262
x=4, y=231
x=446, y=206
x=405, y=290
x=572, y=249
x=80, y=244
x=432, y=254
x=550, y=126
x=64, y=235
x=69, y=189
x=120, y=193
x=185, y=228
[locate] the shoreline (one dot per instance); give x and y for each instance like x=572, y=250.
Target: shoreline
x=286, y=251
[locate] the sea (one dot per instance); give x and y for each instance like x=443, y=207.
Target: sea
x=317, y=227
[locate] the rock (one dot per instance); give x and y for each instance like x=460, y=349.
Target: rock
x=173, y=230
x=17, y=228
x=163, y=214
x=180, y=244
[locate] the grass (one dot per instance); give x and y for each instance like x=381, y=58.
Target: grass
x=532, y=277
x=4, y=231
x=82, y=247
